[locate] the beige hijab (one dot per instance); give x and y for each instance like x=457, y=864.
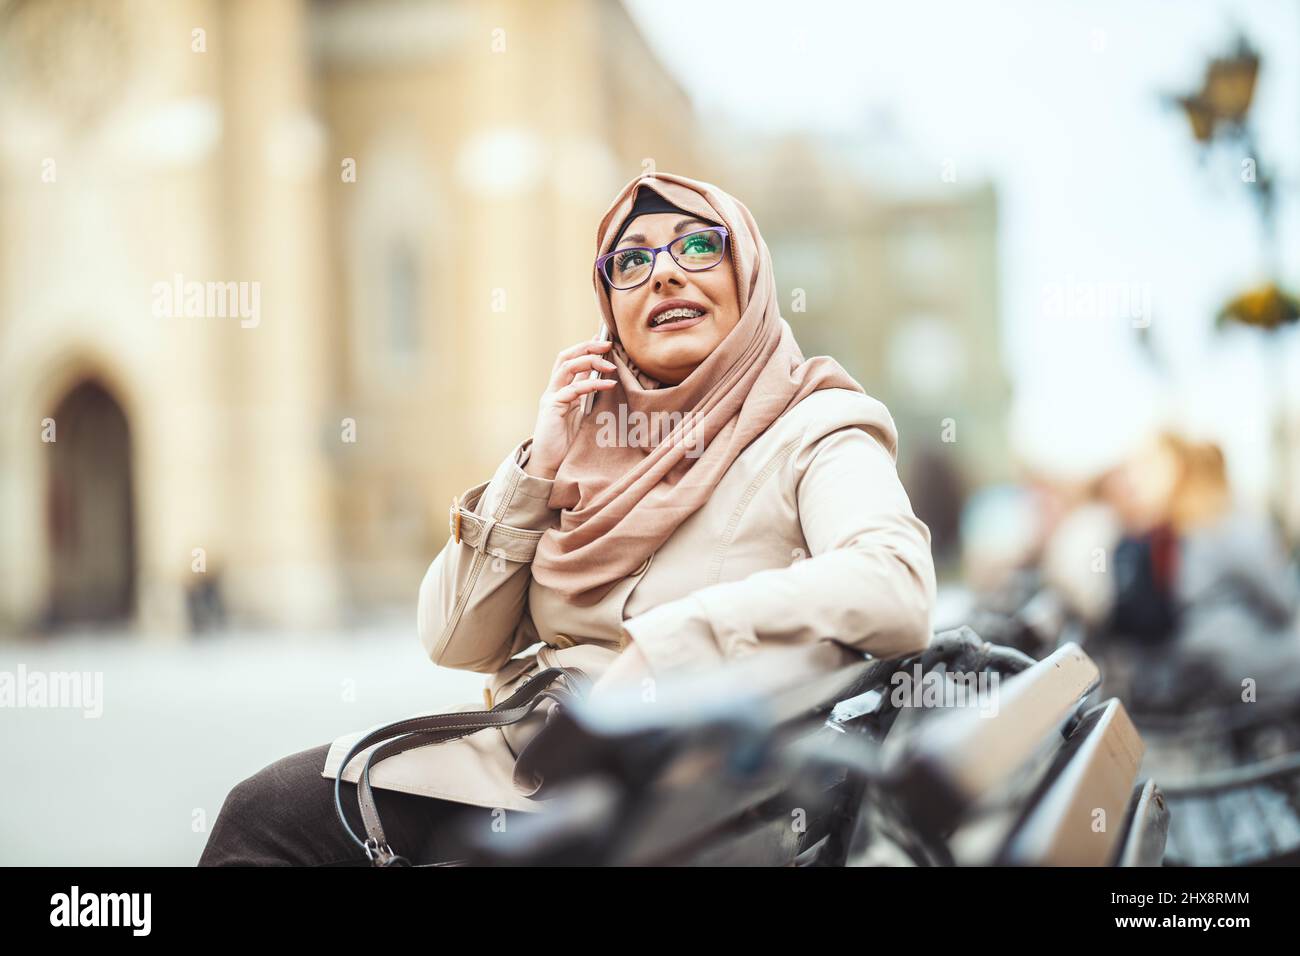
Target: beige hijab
x=619, y=504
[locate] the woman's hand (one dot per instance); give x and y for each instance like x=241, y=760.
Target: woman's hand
x=568, y=384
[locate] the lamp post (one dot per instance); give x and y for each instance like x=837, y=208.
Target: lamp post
x=1219, y=112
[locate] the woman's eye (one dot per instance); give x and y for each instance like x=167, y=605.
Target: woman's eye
x=630, y=260
x=701, y=243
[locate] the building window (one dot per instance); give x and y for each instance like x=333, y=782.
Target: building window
x=403, y=299
x=926, y=359
x=919, y=257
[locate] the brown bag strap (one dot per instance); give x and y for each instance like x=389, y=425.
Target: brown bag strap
x=414, y=732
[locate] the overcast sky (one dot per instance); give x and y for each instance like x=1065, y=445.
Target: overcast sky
x=1060, y=105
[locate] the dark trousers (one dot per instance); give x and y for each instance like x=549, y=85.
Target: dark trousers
x=284, y=815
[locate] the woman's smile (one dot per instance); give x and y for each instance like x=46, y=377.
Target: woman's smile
x=676, y=314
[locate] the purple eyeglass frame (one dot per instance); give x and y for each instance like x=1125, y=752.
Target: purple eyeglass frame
x=654, y=257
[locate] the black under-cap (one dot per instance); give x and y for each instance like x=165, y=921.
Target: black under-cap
x=648, y=202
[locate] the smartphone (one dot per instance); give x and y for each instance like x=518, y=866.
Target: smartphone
x=589, y=400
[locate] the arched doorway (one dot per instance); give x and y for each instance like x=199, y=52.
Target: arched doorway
x=91, y=509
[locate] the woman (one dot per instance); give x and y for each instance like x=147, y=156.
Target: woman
x=1200, y=597
x=721, y=495
x=1232, y=593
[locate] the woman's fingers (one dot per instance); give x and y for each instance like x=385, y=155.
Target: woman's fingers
x=587, y=361
x=571, y=368
x=570, y=392
x=581, y=348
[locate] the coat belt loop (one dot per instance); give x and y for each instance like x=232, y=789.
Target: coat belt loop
x=488, y=525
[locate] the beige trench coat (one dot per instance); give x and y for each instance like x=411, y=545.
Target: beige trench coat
x=808, y=537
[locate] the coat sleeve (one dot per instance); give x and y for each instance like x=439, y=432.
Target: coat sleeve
x=472, y=606
x=868, y=581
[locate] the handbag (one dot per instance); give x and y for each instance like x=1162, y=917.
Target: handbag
x=559, y=684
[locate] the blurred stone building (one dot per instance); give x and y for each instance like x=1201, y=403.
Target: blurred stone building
x=894, y=271
x=279, y=278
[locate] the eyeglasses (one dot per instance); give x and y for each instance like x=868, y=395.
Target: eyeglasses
x=627, y=268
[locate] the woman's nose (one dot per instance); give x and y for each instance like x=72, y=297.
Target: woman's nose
x=666, y=268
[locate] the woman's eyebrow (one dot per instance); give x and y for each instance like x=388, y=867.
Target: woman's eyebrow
x=639, y=238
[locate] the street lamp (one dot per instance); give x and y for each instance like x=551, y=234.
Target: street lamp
x=1218, y=111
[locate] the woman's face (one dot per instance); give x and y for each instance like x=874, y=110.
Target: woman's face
x=671, y=351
